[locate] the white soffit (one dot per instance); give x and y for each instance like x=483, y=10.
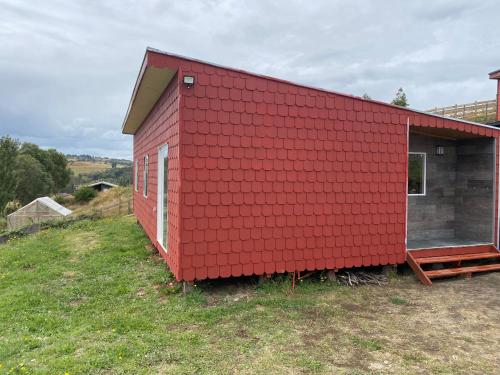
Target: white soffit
x=152, y=84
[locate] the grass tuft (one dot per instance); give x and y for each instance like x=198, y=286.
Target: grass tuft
x=395, y=300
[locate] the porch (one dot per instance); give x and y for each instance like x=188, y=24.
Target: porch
x=451, y=204
x=451, y=189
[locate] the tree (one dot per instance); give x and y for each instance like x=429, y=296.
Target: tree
x=400, y=98
x=8, y=152
x=54, y=162
x=366, y=96
x=60, y=172
x=32, y=180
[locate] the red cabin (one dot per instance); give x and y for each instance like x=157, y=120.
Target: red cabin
x=241, y=174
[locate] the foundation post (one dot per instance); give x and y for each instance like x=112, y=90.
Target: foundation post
x=332, y=275
x=187, y=286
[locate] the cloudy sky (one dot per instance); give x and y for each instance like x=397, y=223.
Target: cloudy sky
x=67, y=68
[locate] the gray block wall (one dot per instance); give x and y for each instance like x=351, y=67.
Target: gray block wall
x=459, y=191
x=433, y=216
x=475, y=190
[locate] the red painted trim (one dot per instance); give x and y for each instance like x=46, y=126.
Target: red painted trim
x=498, y=99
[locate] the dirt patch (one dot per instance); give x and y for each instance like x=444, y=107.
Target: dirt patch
x=352, y=307
x=70, y=274
x=451, y=327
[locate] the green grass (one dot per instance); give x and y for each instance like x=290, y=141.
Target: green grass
x=91, y=299
x=398, y=301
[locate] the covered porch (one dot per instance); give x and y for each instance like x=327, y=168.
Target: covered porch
x=451, y=189
x=451, y=203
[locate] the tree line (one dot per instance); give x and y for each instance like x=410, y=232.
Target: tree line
x=28, y=172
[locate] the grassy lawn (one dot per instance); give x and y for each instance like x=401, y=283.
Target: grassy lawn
x=92, y=299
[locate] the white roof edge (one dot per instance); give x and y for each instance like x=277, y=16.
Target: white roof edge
x=136, y=87
x=102, y=182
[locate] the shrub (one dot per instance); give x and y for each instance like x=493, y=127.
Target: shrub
x=85, y=194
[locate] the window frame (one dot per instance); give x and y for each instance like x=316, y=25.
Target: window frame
x=136, y=175
x=161, y=225
x=145, y=176
x=424, y=182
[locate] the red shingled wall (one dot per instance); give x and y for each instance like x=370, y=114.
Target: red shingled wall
x=277, y=177
x=281, y=178
x=160, y=127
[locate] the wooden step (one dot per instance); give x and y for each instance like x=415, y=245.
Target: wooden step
x=445, y=251
x=419, y=272
x=458, y=258
x=461, y=270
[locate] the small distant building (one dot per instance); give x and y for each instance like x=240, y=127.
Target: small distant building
x=102, y=185
x=40, y=210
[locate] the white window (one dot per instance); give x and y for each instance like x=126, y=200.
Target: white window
x=162, y=200
x=146, y=175
x=136, y=178
x=416, y=173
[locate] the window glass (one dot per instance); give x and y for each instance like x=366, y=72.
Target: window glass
x=165, y=203
x=146, y=175
x=136, y=178
x=416, y=174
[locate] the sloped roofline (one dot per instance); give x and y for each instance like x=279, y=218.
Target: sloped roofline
x=495, y=74
x=49, y=202
x=102, y=182
x=144, y=66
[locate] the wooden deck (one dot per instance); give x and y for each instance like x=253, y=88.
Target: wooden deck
x=481, y=258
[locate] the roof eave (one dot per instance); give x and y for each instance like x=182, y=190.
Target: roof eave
x=151, y=82
x=495, y=74
x=130, y=127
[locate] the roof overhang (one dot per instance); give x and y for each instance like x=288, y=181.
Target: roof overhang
x=152, y=81
x=159, y=67
x=495, y=74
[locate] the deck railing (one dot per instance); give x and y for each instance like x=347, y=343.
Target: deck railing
x=481, y=111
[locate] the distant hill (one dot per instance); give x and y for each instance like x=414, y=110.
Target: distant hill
x=84, y=164
x=88, y=168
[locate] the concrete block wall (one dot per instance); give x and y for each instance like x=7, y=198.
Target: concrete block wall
x=459, y=192
x=475, y=189
x=433, y=216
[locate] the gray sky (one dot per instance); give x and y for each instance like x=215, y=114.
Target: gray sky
x=67, y=68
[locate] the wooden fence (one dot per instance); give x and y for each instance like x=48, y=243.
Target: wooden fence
x=122, y=207
x=480, y=110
